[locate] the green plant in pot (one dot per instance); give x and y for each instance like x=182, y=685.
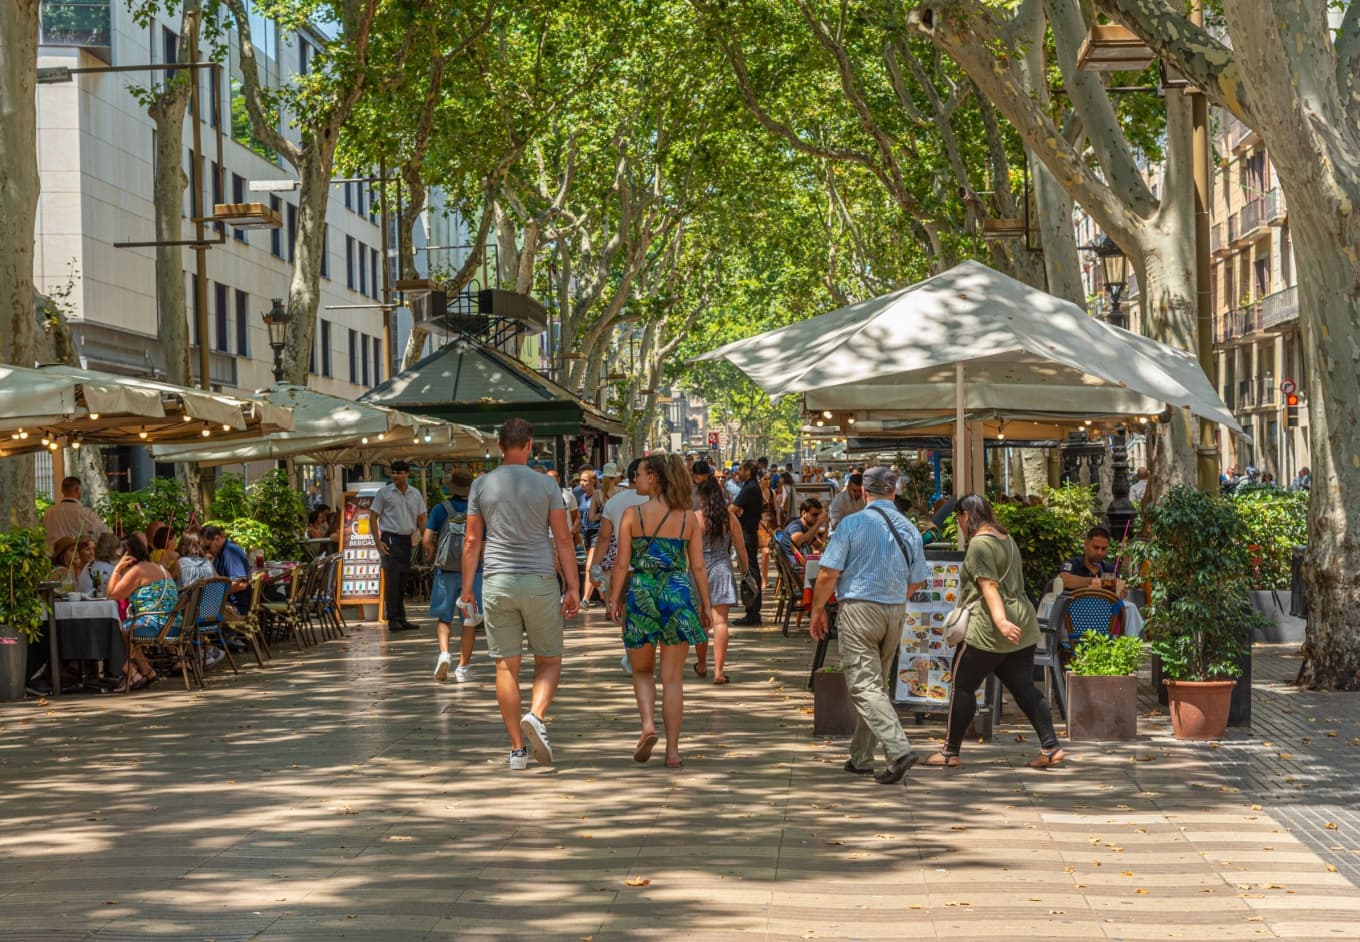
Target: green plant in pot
x=23, y=566
x=1102, y=691
x=1199, y=619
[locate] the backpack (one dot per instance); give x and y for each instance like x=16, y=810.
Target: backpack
x=448, y=552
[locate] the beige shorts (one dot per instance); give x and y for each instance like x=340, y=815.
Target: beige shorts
x=516, y=606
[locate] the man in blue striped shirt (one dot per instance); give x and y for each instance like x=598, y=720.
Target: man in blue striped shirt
x=875, y=560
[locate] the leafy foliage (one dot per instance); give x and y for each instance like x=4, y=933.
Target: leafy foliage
x=273, y=502
x=1104, y=656
x=23, y=564
x=1047, y=535
x=249, y=534
x=1274, y=522
x=163, y=499
x=229, y=500
x=1199, y=616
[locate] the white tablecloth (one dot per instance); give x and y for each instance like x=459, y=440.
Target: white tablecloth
x=91, y=608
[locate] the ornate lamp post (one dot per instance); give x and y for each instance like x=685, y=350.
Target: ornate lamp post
x=276, y=320
x=1114, y=268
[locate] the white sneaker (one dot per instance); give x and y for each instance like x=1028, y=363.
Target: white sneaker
x=537, y=735
x=519, y=760
x=627, y=665
x=213, y=656
x=441, y=667
x=461, y=672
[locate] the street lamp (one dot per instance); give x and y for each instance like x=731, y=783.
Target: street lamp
x=1114, y=268
x=276, y=320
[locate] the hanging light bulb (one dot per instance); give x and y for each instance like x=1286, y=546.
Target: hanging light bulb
x=52, y=446
x=826, y=414
x=141, y=433
x=364, y=440
x=226, y=428
x=94, y=416
x=23, y=434
x=428, y=438
x=381, y=436
x=207, y=432
x=820, y=423
x=850, y=420
x=75, y=443
x=45, y=441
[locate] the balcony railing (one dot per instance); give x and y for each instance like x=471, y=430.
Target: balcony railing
x=1232, y=228
x=84, y=23
x=1234, y=131
x=1251, y=217
x=1275, y=211
x=1256, y=392
x=1280, y=307
x=1224, y=327
x=1216, y=243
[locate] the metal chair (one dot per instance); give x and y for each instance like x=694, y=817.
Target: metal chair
x=247, y=623
x=174, y=638
x=212, y=603
x=790, y=591
x=1048, y=656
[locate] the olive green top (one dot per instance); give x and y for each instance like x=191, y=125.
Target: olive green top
x=998, y=559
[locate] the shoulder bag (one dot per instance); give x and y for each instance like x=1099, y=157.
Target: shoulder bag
x=956, y=622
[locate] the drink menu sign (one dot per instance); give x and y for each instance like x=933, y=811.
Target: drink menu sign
x=360, y=565
x=924, y=660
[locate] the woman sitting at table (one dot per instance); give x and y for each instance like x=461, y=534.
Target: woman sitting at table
x=63, y=564
x=106, y=553
x=149, y=589
x=162, y=551
x=192, y=565
x=318, y=524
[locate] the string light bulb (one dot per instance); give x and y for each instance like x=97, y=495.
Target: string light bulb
x=75, y=443
x=94, y=416
x=52, y=446
x=207, y=432
x=850, y=420
x=364, y=440
x=141, y=433
x=226, y=428
x=826, y=414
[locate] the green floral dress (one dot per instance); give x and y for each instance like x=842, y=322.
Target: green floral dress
x=660, y=606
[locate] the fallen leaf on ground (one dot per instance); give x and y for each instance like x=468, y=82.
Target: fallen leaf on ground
x=1141, y=892
x=1330, y=825
x=1331, y=868
x=638, y=881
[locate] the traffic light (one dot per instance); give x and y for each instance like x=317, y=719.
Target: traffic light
x=1291, y=410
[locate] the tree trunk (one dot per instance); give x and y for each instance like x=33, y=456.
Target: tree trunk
x=1062, y=265
x=1168, y=300
x=167, y=110
x=304, y=290
x=19, y=187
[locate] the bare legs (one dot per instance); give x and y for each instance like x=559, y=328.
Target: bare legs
x=673, y=659
x=719, y=628
x=547, y=672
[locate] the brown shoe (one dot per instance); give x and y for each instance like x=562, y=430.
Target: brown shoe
x=942, y=760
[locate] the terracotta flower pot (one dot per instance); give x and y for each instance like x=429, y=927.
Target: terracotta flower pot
x=1102, y=709
x=1199, y=709
x=833, y=712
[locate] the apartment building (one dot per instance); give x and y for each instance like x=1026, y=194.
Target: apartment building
x=95, y=155
x=1255, y=306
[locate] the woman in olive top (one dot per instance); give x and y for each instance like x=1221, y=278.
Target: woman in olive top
x=1002, y=634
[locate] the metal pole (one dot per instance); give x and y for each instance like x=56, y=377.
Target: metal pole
x=960, y=436
x=1207, y=453
x=386, y=270
x=196, y=207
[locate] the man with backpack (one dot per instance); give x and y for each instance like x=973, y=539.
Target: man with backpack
x=443, y=544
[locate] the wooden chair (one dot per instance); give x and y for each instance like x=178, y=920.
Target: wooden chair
x=174, y=638
x=212, y=603
x=247, y=623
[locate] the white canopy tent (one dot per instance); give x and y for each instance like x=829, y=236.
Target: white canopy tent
x=972, y=338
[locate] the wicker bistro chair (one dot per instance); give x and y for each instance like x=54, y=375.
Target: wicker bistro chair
x=212, y=604
x=287, y=617
x=174, y=639
x=1092, y=610
x=247, y=623
x=310, y=602
x=790, y=591
x=326, y=599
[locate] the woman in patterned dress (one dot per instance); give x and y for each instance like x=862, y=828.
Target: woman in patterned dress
x=148, y=588
x=661, y=548
x=722, y=531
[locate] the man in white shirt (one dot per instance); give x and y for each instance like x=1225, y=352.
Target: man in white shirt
x=398, y=514
x=69, y=517
x=848, y=501
x=1139, y=490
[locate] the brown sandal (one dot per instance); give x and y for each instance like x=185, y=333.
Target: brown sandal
x=721, y=679
x=1048, y=758
x=942, y=760
x=700, y=669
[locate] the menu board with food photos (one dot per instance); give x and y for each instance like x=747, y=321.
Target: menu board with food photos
x=360, y=565
x=924, y=660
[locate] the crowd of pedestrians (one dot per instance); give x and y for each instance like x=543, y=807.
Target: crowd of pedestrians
x=669, y=546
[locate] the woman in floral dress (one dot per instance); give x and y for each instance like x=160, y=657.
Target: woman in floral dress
x=661, y=548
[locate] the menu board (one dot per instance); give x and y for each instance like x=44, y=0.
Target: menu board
x=360, y=565
x=924, y=659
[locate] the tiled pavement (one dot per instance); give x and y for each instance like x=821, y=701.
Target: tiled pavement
x=340, y=793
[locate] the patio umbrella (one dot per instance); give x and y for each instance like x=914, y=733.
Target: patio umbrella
x=973, y=338
x=67, y=405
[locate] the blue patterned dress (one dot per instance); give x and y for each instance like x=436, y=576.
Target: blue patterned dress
x=159, y=596
x=661, y=607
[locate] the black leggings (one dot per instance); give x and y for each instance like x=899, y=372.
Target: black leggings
x=1016, y=671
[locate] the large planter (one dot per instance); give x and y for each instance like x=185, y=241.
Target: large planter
x=1102, y=709
x=1284, y=628
x=1199, y=709
x=13, y=663
x=833, y=712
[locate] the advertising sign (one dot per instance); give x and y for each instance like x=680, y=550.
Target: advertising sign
x=924, y=660
x=360, y=566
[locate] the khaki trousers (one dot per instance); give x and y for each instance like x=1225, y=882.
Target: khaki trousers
x=869, y=633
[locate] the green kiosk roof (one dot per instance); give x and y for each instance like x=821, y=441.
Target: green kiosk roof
x=477, y=385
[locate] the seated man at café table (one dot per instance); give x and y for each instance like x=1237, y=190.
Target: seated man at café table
x=803, y=533
x=229, y=560
x=1091, y=569
x=848, y=501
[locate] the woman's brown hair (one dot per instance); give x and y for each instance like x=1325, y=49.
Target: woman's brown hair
x=673, y=480
x=189, y=545
x=979, y=513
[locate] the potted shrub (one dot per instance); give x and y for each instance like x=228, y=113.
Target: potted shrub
x=1199, y=619
x=1102, y=691
x=833, y=712
x=23, y=565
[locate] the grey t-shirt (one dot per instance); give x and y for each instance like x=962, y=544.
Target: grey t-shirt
x=514, y=502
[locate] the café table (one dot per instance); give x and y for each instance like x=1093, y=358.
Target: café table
x=85, y=630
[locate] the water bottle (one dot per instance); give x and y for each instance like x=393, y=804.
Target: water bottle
x=471, y=616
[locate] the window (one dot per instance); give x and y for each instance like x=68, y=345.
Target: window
x=326, y=251
x=220, y=318
x=359, y=188
x=275, y=236
x=217, y=197
x=292, y=231
x=365, y=358
x=242, y=324
x=363, y=269
x=349, y=199
x=193, y=294
x=305, y=53
x=238, y=195
x=372, y=204
x=325, y=348
x=211, y=90
x=377, y=361
x=349, y=262
x=374, y=280
x=169, y=51
x=353, y=360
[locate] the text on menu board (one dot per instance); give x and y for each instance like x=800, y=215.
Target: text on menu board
x=924, y=659
x=360, y=564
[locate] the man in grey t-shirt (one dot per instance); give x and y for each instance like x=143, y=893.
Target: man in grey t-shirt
x=510, y=513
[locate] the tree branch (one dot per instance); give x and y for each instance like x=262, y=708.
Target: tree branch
x=258, y=105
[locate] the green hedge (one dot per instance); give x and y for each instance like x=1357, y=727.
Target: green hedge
x=1274, y=521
